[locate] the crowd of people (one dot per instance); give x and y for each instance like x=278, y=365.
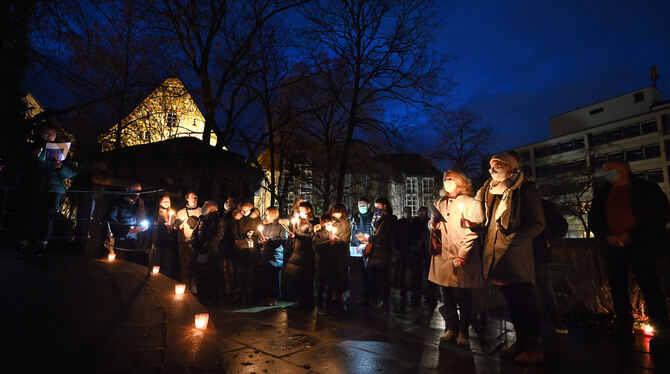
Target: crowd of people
x=452, y=250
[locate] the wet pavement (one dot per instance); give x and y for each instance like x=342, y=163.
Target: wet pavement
x=288, y=340
x=79, y=315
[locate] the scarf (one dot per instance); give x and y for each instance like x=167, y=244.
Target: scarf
x=505, y=189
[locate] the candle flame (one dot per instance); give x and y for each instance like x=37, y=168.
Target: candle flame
x=179, y=288
x=260, y=229
x=111, y=256
x=155, y=269
x=648, y=330
x=460, y=207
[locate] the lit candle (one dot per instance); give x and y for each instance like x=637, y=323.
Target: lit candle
x=179, y=288
x=201, y=320
x=111, y=256
x=334, y=230
x=260, y=229
x=294, y=222
x=648, y=330
x=460, y=207
x=155, y=270
x=170, y=217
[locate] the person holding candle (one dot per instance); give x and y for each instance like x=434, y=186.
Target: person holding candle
x=246, y=220
x=513, y=218
x=187, y=219
x=342, y=233
x=629, y=216
x=300, y=267
x=377, y=260
x=228, y=250
x=207, y=242
x=167, y=251
x=273, y=240
x=457, y=267
x=326, y=264
x=361, y=223
x=125, y=223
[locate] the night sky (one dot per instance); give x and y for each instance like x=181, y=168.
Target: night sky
x=521, y=62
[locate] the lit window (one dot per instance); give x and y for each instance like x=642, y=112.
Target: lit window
x=411, y=185
x=412, y=201
x=427, y=185
x=171, y=119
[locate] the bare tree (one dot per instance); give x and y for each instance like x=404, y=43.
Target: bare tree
x=462, y=139
x=216, y=41
x=385, y=45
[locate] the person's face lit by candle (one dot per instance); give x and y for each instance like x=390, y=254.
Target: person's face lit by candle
x=303, y=212
x=246, y=209
x=191, y=200
x=337, y=215
x=165, y=202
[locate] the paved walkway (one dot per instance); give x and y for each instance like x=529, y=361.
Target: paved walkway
x=77, y=315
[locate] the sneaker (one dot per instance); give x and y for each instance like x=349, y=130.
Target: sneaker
x=532, y=355
x=449, y=335
x=463, y=340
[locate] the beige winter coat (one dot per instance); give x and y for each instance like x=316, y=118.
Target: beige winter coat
x=458, y=242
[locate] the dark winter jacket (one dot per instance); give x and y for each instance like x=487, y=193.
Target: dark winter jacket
x=273, y=251
x=125, y=214
x=555, y=227
x=326, y=254
x=420, y=236
x=344, y=234
x=361, y=223
x=508, y=253
x=382, y=242
x=650, y=208
x=52, y=179
x=302, y=256
x=242, y=225
x=405, y=232
x=208, y=235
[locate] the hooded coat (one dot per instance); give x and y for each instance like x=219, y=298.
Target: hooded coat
x=508, y=245
x=457, y=242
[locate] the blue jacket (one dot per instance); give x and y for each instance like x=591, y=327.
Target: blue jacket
x=52, y=179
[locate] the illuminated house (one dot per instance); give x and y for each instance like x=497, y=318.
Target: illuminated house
x=406, y=179
x=169, y=112
x=634, y=126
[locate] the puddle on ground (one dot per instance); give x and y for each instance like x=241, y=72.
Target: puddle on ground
x=293, y=341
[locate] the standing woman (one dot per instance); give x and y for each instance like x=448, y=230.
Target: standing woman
x=342, y=231
x=167, y=252
x=300, y=266
x=458, y=266
x=378, y=260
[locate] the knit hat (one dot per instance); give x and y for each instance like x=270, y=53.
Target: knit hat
x=511, y=158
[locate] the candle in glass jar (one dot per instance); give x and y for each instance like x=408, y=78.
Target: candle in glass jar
x=201, y=320
x=111, y=256
x=155, y=270
x=179, y=288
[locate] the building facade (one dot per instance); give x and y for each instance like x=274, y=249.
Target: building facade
x=169, y=112
x=634, y=126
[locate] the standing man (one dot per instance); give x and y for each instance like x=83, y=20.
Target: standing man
x=126, y=220
x=188, y=218
x=405, y=233
x=513, y=217
x=628, y=216
x=361, y=223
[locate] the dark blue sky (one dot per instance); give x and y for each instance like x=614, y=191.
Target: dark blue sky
x=521, y=62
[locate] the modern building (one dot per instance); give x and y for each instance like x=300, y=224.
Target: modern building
x=634, y=126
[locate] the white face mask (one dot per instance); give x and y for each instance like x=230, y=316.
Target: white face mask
x=406, y=215
x=611, y=175
x=498, y=175
x=362, y=209
x=303, y=215
x=226, y=206
x=246, y=214
x=450, y=186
